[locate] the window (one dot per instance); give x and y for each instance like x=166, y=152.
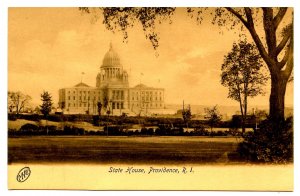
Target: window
x=73, y=97
x=74, y=104
x=69, y=97
x=69, y=104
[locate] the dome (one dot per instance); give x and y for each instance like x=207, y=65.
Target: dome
x=111, y=58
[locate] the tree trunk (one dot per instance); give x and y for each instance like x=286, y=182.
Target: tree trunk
x=245, y=114
x=242, y=115
x=278, y=88
x=242, y=119
x=243, y=125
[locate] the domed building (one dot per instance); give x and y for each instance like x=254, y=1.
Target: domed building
x=113, y=81
x=112, y=92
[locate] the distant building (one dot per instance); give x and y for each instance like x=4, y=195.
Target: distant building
x=79, y=99
x=144, y=99
x=112, y=90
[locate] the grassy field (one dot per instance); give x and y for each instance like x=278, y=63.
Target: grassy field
x=120, y=150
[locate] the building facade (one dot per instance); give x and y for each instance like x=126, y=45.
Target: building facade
x=144, y=99
x=112, y=92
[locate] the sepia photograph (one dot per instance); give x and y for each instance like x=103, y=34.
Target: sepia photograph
x=150, y=98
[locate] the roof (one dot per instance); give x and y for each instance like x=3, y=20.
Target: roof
x=81, y=84
x=111, y=58
x=141, y=86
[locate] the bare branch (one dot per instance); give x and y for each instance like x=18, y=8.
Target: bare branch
x=283, y=42
x=290, y=60
x=284, y=59
x=278, y=18
x=249, y=16
x=257, y=40
x=239, y=16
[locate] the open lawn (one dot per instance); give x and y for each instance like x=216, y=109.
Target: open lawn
x=121, y=150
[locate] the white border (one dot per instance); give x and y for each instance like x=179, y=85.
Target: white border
x=80, y=3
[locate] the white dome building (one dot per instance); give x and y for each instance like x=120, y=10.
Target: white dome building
x=113, y=82
x=113, y=92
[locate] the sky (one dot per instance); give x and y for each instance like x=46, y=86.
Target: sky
x=49, y=48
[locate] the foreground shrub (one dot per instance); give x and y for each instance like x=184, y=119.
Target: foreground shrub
x=271, y=143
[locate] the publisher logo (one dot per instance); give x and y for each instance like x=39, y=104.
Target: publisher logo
x=23, y=174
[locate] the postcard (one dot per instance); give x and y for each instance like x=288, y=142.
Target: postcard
x=150, y=98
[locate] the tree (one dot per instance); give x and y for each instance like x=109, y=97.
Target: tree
x=276, y=49
x=99, y=107
x=280, y=68
x=241, y=73
x=213, y=116
x=106, y=99
x=17, y=101
x=46, y=103
x=186, y=115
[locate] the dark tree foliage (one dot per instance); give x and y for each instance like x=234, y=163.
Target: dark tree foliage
x=271, y=143
x=46, y=103
x=241, y=73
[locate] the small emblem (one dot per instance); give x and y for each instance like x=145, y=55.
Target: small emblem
x=23, y=174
